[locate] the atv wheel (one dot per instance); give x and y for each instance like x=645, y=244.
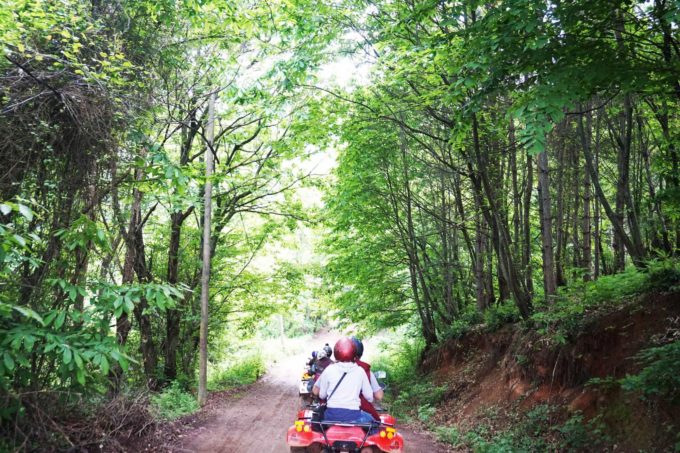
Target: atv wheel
x=298, y=450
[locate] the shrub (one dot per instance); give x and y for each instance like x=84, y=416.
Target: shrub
x=661, y=375
x=449, y=435
x=174, y=402
x=244, y=372
x=578, y=435
x=664, y=275
x=499, y=315
x=412, y=394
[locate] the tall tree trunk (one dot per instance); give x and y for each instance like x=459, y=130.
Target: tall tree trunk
x=637, y=254
x=207, y=239
x=586, y=256
x=482, y=296
x=526, y=255
x=172, y=326
x=549, y=281
x=493, y=217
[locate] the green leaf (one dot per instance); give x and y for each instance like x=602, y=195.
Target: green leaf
x=60, y=320
x=124, y=364
x=129, y=306
x=19, y=240
x=8, y=361
x=104, y=365
x=27, y=312
x=77, y=359
x=80, y=375
x=5, y=208
x=67, y=355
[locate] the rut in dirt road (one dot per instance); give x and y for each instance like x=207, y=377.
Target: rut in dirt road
x=257, y=421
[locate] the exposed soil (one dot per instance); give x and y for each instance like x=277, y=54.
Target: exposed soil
x=491, y=377
x=255, y=420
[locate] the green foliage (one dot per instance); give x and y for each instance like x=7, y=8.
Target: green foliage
x=577, y=434
x=449, y=435
x=174, y=402
x=535, y=430
x=663, y=275
x=578, y=301
x=497, y=316
x=246, y=371
x=660, y=375
x=411, y=393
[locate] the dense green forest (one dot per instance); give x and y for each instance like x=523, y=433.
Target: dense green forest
x=493, y=162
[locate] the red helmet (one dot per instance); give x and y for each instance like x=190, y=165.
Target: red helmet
x=345, y=350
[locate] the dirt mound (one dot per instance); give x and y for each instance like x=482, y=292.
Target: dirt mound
x=514, y=370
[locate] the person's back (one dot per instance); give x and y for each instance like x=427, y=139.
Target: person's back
x=341, y=384
x=322, y=363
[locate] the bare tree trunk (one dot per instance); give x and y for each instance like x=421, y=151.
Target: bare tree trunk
x=561, y=220
x=637, y=254
x=526, y=255
x=123, y=324
x=205, y=277
x=480, y=253
x=493, y=217
x=549, y=281
x=586, y=256
x=516, y=200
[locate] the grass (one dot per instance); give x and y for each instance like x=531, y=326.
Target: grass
x=246, y=371
x=536, y=430
x=174, y=402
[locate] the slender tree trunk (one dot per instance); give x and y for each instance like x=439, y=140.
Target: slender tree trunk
x=549, y=281
x=560, y=223
x=207, y=236
x=482, y=184
x=172, y=327
x=526, y=255
x=586, y=256
x=480, y=253
x=637, y=254
x=516, y=199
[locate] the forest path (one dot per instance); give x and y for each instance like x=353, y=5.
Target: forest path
x=257, y=421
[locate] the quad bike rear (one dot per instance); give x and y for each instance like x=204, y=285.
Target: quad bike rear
x=307, y=436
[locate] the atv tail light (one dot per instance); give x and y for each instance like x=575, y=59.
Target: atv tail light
x=388, y=432
x=300, y=426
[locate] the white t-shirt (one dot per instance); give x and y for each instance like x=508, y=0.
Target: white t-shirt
x=374, y=383
x=346, y=396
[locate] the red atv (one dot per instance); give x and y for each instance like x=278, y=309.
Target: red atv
x=307, y=436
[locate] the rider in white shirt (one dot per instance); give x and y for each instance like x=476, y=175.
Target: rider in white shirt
x=342, y=383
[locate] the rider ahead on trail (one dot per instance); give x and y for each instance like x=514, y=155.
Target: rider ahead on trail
x=344, y=381
x=322, y=362
x=366, y=405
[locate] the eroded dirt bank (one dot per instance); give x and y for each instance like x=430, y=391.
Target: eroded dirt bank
x=491, y=378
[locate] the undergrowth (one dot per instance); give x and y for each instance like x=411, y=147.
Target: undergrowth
x=576, y=301
x=411, y=394
x=544, y=428
x=568, y=312
x=174, y=402
x=177, y=401
x=246, y=371
x=537, y=430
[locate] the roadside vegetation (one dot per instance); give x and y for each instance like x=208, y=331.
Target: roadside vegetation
x=652, y=380
x=182, y=182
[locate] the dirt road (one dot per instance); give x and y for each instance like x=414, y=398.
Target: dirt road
x=256, y=421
